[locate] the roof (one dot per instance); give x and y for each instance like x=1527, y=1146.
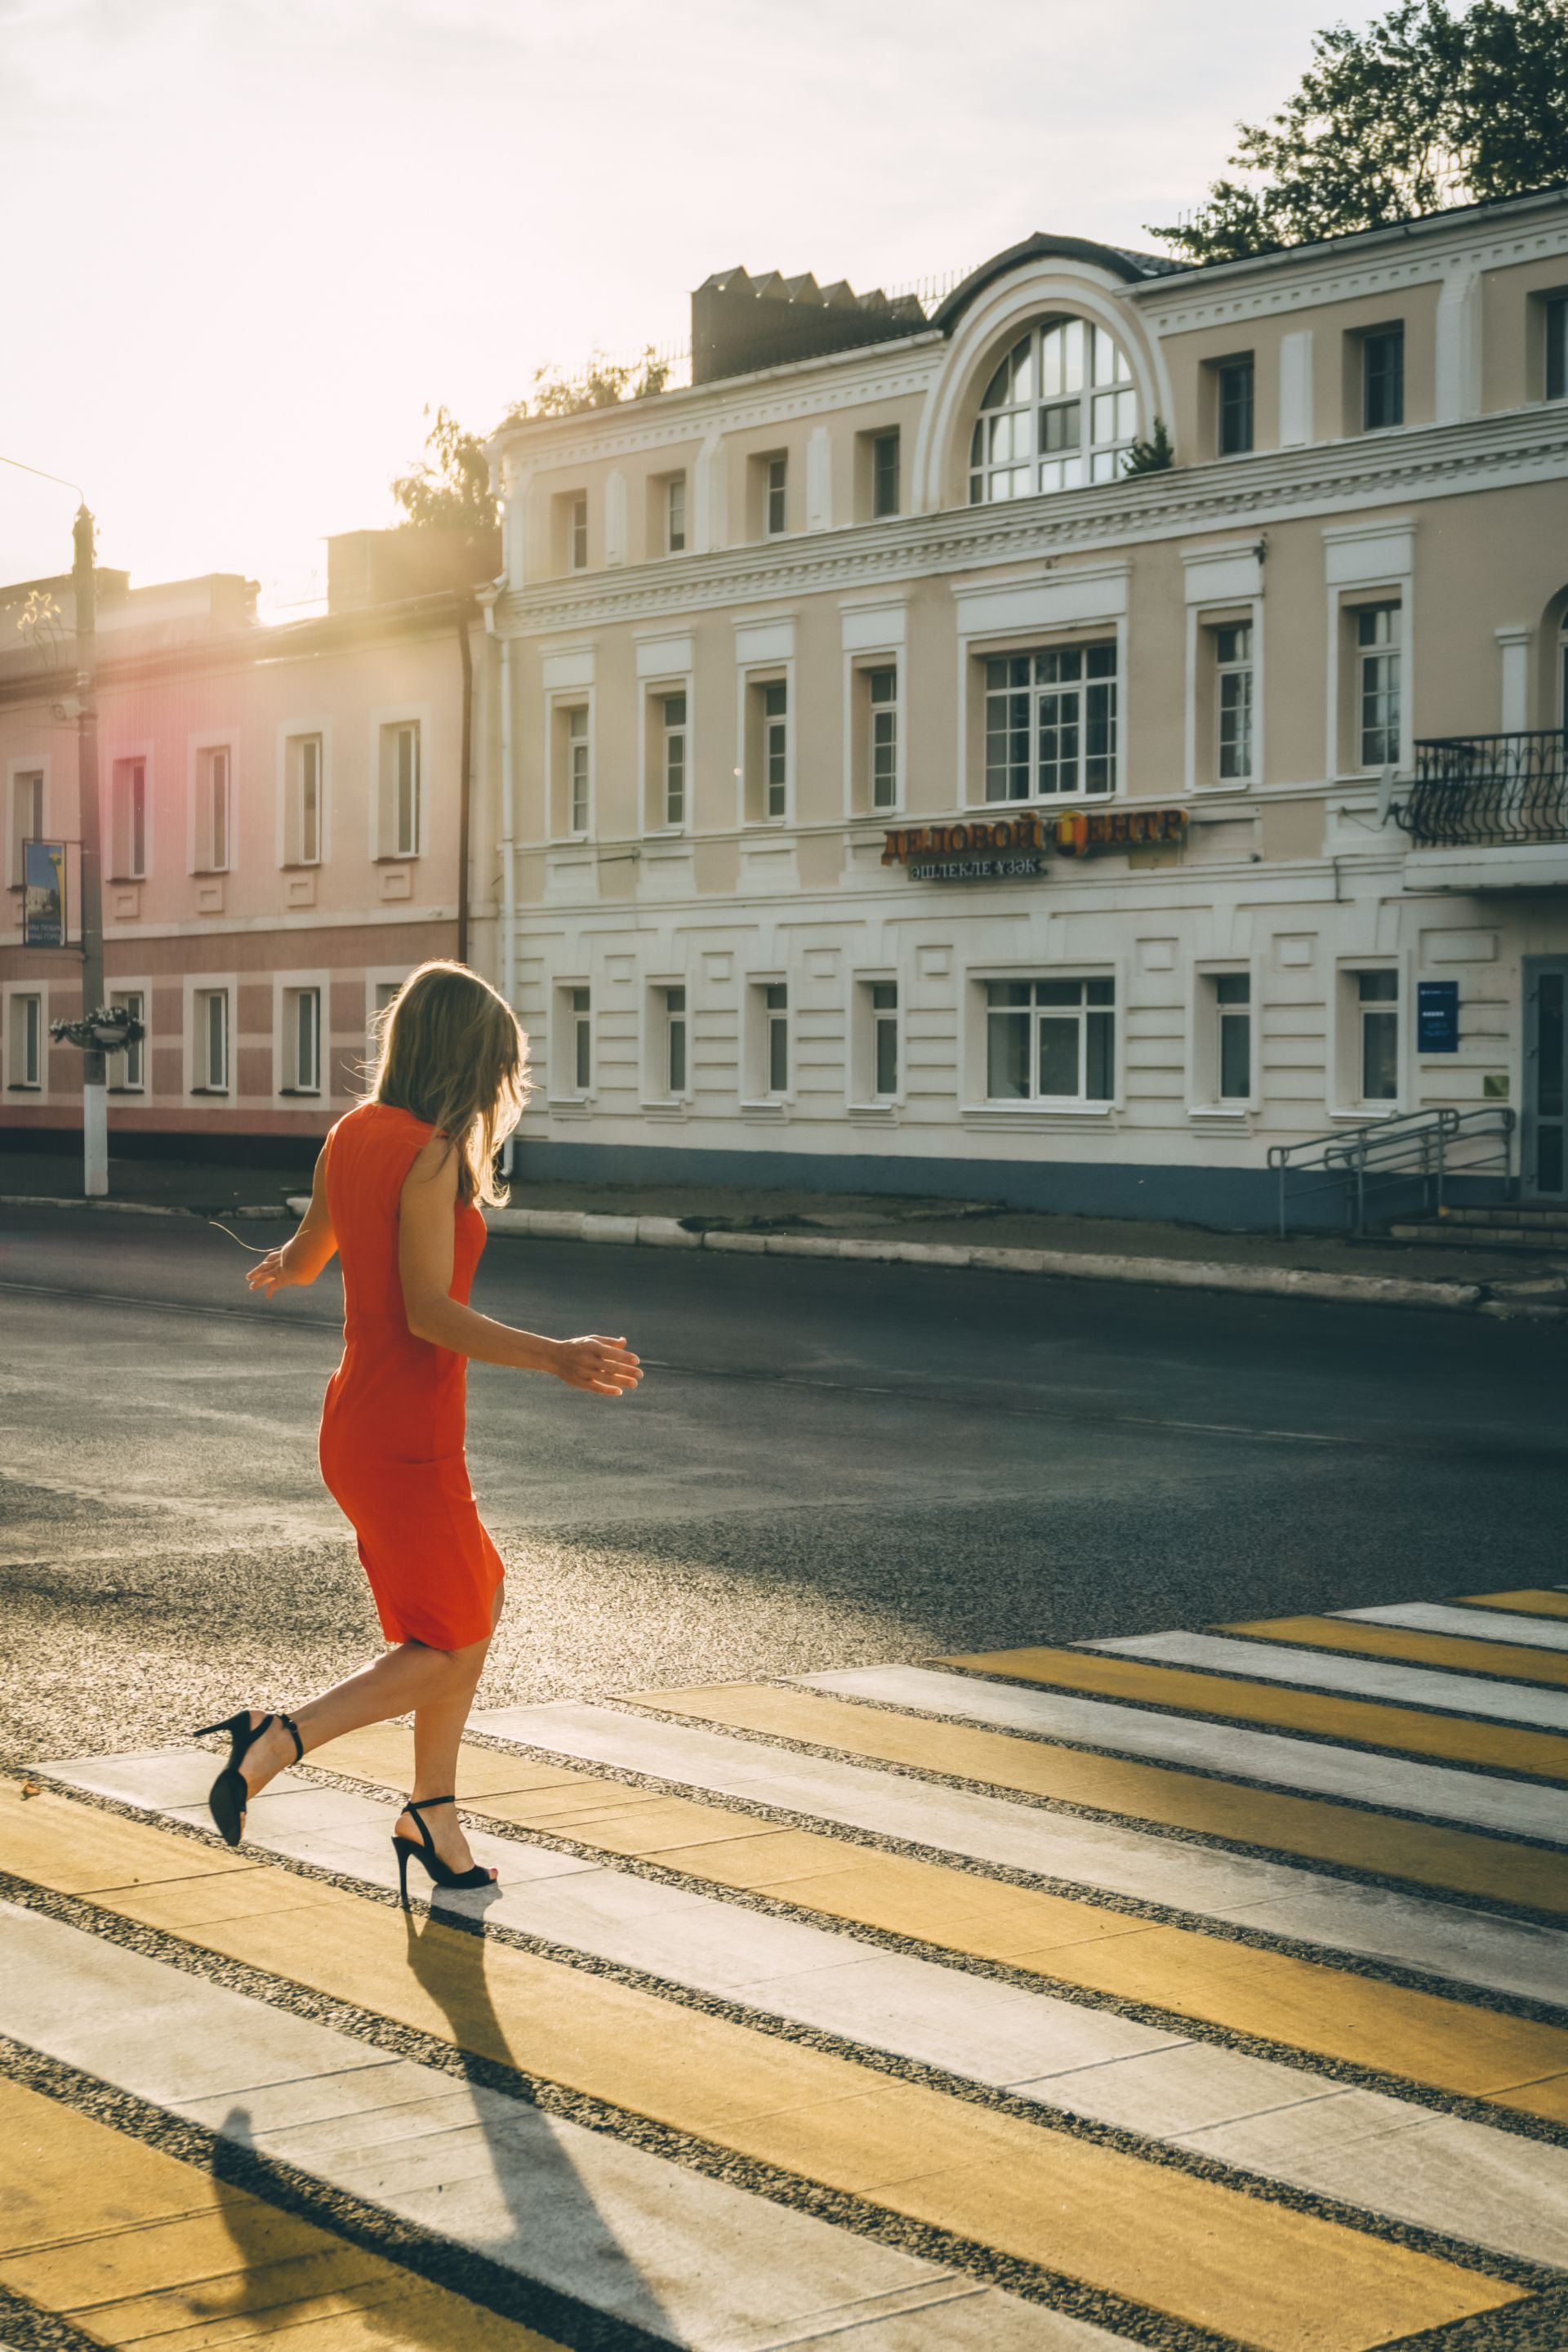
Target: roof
x=1122, y=261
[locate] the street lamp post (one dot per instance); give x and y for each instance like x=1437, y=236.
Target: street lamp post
x=94, y=1076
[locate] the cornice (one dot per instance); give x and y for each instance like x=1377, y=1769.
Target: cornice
x=1425, y=461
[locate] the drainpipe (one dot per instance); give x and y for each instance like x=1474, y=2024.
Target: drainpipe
x=464, y=772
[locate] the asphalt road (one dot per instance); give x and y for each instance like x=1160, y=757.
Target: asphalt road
x=828, y=1464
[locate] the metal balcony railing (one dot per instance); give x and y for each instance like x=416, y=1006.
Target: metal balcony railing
x=1484, y=791
x=1418, y=1151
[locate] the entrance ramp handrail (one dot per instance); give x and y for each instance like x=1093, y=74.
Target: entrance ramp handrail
x=1420, y=1143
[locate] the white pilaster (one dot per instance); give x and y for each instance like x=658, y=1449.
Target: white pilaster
x=819, y=480
x=1514, y=645
x=1457, y=392
x=1296, y=388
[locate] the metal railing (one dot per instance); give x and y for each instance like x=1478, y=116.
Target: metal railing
x=1487, y=788
x=1425, y=1146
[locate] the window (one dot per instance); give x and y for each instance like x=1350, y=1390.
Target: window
x=675, y=514
x=26, y=1044
x=1233, y=1034
x=580, y=1039
x=401, y=785
x=1556, y=309
x=884, y=473
x=126, y=1070
x=128, y=821
x=1233, y=703
x=776, y=1038
x=1235, y=404
x=882, y=687
x=577, y=773
x=213, y=809
x=775, y=748
x=775, y=483
x=26, y=816
x=302, y=813
x=1050, y=723
x=672, y=757
x=1050, y=1040
x=303, y=1041
x=1059, y=412
x=1382, y=379
x=577, y=534
x=884, y=1039
x=1377, y=1009
x=1377, y=686
x=210, y=1054
x=674, y=1040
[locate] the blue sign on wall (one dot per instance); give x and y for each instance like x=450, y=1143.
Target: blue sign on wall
x=1436, y=1017
x=44, y=893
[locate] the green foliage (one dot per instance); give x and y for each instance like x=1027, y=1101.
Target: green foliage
x=1151, y=457
x=1422, y=109
x=450, y=489
x=602, y=386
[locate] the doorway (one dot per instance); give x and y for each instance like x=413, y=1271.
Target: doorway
x=1546, y=1160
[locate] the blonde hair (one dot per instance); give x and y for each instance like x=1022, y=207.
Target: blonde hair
x=451, y=1050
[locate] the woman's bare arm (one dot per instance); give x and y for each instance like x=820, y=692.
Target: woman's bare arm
x=309, y=1247
x=425, y=1239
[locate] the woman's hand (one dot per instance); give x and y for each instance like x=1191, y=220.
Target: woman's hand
x=274, y=1272
x=603, y=1367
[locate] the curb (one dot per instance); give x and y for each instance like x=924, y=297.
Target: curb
x=148, y=1208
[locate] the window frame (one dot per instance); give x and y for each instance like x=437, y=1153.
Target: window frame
x=670, y=731
x=294, y=737
x=767, y=1022
x=131, y=1077
x=1365, y=654
x=1225, y=672
x=756, y=679
x=775, y=466
x=578, y=530
x=290, y=989
x=1206, y=1017
x=1352, y=1010
x=36, y=1032
x=1229, y=442
x=559, y=704
x=1554, y=346
x=868, y=1022
x=385, y=726
x=213, y=805
x=984, y=467
x=1090, y=639
x=885, y=475
x=676, y=494
x=1033, y=975
x=130, y=812
x=1389, y=334
x=675, y=1023
x=202, y=991
x=25, y=771
x=573, y=1043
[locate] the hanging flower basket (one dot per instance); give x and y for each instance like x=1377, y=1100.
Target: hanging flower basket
x=108, y=1030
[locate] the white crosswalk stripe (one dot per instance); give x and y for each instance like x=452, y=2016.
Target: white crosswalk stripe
x=1458, y=1694
x=1466, y=1624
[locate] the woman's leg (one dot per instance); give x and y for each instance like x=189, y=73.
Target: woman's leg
x=409, y=1677
x=438, y=1726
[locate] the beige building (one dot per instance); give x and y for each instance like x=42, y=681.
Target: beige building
x=896, y=792
x=285, y=813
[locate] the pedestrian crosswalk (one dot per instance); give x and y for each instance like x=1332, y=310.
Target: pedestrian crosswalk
x=1206, y=1988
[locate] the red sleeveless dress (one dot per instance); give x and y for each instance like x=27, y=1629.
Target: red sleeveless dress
x=394, y=1419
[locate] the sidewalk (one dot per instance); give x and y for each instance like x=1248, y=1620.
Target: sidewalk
x=874, y=1226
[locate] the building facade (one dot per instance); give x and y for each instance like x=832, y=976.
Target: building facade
x=285, y=816
x=897, y=791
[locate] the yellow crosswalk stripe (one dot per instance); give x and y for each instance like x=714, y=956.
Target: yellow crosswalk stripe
x=1534, y=1602
x=127, y=2244
x=1370, y=1722
x=1422, y=1853
x=1404, y=1646
x=1305, y=2004
x=1206, y=2253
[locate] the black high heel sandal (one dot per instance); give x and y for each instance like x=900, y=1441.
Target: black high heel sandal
x=441, y=1873
x=228, y=1796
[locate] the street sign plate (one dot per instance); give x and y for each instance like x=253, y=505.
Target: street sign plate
x=1438, y=1016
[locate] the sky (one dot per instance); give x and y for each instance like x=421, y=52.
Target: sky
x=248, y=242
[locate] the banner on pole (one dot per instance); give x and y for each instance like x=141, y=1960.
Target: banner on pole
x=44, y=893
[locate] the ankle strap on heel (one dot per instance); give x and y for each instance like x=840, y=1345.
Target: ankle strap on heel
x=293, y=1730
x=424, y=1805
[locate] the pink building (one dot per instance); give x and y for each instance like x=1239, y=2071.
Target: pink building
x=289, y=824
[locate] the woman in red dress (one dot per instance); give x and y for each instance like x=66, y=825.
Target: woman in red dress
x=396, y=1194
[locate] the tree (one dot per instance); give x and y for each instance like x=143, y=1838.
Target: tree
x=603, y=383
x=453, y=493
x=1423, y=107
x=1151, y=457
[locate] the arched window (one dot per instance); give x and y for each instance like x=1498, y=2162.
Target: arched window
x=1059, y=411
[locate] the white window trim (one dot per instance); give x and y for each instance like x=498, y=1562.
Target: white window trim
x=558, y=700
x=758, y=1100
x=1203, y=1103
x=874, y=639
x=219, y=740
x=203, y=983
x=288, y=729
x=1221, y=579
x=1368, y=564
x=863, y=1101
x=379, y=975
x=14, y=1092
x=1344, y=1040
x=282, y=983
x=398, y=714
x=654, y=1044
x=1022, y=616
x=38, y=763
x=758, y=674
x=124, y=984
x=113, y=756
x=1080, y=634
x=650, y=690
x=975, y=1104
x=563, y=1092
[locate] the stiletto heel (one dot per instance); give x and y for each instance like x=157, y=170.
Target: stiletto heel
x=228, y=1796
x=442, y=1873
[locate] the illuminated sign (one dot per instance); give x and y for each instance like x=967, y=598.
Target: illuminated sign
x=1002, y=849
